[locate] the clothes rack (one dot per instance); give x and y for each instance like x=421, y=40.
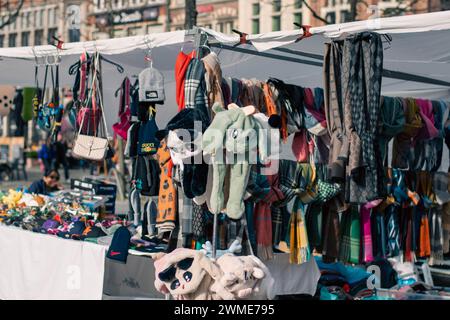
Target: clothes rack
x=398, y=75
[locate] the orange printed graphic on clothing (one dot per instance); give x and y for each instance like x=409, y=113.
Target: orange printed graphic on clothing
x=167, y=193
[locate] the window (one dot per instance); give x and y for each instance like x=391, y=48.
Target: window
x=276, y=5
x=220, y=27
x=298, y=4
x=255, y=9
x=38, y=37
x=229, y=27
x=345, y=16
x=56, y=17
x=255, y=26
x=2, y=40
x=25, y=39
x=28, y=20
x=12, y=40
x=22, y=20
x=50, y=14
x=133, y=31
x=74, y=35
x=39, y=17
x=276, y=23
x=331, y=17
x=51, y=33
x=298, y=19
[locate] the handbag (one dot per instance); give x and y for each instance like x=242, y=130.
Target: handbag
x=92, y=147
x=121, y=128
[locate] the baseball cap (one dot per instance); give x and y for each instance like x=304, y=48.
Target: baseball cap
x=151, y=86
x=118, y=250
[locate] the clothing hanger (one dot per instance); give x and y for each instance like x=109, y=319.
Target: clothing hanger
x=120, y=69
x=148, y=56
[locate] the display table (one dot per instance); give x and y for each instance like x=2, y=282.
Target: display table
x=39, y=266
x=135, y=279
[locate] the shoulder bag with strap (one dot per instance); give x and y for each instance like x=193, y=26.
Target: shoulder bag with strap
x=124, y=123
x=93, y=147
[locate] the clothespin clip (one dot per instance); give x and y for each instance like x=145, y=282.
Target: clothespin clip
x=59, y=44
x=305, y=34
x=243, y=38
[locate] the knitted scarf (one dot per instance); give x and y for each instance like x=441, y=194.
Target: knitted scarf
x=314, y=225
x=299, y=248
x=436, y=235
x=366, y=230
x=379, y=234
x=403, y=141
x=393, y=232
x=181, y=65
x=263, y=215
x=330, y=246
x=392, y=122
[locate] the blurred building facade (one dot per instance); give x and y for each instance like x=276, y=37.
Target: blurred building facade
x=81, y=20
x=39, y=21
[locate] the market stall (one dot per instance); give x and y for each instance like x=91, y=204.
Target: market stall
x=356, y=131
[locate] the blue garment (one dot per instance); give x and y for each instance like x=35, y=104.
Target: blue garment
x=39, y=187
x=352, y=274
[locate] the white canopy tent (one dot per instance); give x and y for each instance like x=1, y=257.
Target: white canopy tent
x=420, y=46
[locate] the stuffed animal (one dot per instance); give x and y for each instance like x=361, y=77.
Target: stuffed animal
x=245, y=277
x=12, y=199
x=235, y=247
x=188, y=275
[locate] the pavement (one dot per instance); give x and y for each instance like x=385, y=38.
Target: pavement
x=34, y=174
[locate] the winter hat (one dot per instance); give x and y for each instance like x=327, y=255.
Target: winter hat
x=75, y=229
x=147, y=142
x=118, y=250
x=151, y=86
x=6, y=99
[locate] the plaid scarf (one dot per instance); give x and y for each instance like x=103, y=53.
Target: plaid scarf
x=299, y=248
x=350, y=240
x=186, y=213
x=195, y=86
x=268, y=193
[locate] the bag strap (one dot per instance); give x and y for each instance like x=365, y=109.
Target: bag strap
x=99, y=88
x=91, y=90
x=45, y=84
